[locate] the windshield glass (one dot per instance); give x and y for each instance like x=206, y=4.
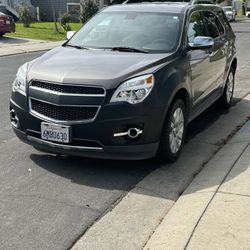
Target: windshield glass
x=151, y=32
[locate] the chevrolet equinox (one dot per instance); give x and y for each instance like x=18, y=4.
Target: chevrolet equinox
x=126, y=85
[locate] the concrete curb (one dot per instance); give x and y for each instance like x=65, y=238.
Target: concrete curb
x=130, y=224
x=179, y=226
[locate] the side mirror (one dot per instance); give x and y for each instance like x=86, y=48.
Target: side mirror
x=70, y=34
x=201, y=42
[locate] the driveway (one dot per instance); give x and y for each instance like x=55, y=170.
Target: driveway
x=12, y=46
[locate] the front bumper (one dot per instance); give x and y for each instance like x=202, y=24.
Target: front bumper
x=132, y=152
x=96, y=139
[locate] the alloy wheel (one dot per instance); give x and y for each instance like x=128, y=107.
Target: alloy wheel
x=230, y=87
x=176, y=130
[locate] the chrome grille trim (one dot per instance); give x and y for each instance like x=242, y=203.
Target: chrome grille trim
x=46, y=90
x=63, y=92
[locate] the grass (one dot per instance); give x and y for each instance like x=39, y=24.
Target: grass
x=42, y=31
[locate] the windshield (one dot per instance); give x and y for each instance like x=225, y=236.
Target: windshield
x=150, y=32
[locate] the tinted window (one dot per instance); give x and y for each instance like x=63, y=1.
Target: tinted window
x=196, y=27
x=154, y=32
x=214, y=26
x=223, y=19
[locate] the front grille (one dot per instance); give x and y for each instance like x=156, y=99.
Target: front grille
x=70, y=89
x=63, y=113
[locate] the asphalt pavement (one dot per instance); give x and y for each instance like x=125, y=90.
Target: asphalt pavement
x=48, y=202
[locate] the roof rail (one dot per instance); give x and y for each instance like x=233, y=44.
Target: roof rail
x=173, y=1
x=202, y=2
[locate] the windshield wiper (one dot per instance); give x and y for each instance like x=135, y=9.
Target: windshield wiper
x=76, y=46
x=128, y=49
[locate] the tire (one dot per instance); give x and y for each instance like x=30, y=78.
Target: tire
x=227, y=96
x=248, y=16
x=173, y=133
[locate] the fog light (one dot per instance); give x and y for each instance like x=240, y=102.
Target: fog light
x=14, y=119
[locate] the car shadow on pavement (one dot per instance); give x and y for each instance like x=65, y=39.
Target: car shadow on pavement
x=207, y=118
x=104, y=174
x=124, y=175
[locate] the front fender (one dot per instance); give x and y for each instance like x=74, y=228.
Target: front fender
x=172, y=80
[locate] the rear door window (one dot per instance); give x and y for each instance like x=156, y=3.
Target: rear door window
x=224, y=20
x=214, y=26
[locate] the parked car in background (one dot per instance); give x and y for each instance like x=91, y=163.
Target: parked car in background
x=230, y=13
x=126, y=85
x=7, y=24
x=248, y=14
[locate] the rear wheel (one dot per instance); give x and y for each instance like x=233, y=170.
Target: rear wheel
x=227, y=96
x=173, y=133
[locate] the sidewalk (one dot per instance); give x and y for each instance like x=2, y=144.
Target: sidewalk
x=214, y=211
x=131, y=221
x=13, y=46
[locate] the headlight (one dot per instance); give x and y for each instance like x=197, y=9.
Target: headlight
x=134, y=90
x=19, y=84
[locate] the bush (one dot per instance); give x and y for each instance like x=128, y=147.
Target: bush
x=88, y=9
x=65, y=19
x=74, y=16
x=25, y=15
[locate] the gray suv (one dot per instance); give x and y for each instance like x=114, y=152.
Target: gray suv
x=126, y=85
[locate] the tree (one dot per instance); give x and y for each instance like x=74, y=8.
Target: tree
x=88, y=9
x=25, y=14
x=54, y=15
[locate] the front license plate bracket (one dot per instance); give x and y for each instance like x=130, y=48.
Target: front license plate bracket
x=55, y=132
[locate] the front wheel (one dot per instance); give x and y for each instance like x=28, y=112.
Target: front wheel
x=173, y=133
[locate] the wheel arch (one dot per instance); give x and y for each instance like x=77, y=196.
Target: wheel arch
x=182, y=94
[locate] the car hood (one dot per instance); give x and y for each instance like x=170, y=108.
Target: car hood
x=92, y=67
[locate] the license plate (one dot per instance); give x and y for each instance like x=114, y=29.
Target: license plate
x=54, y=132
x=7, y=22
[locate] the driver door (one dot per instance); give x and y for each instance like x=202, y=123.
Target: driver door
x=199, y=59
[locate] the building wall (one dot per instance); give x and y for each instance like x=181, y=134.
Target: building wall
x=60, y=7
